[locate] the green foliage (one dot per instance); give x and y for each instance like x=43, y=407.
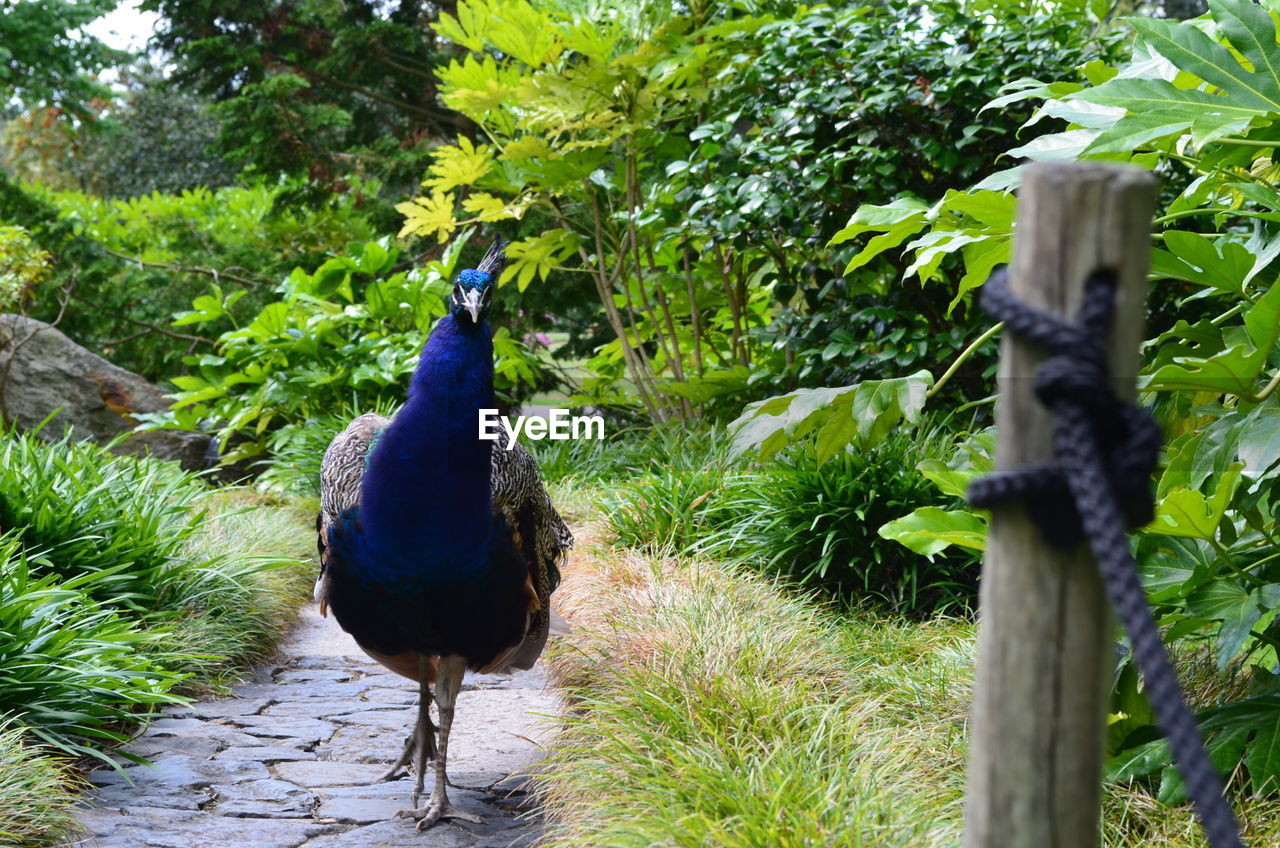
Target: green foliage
x=858, y=416
x=123, y=267
x=295, y=451
x=46, y=59
x=346, y=335
x=23, y=266
x=715, y=707
x=88, y=514
x=37, y=808
x=71, y=667
x=678, y=495
x=695, y=163
x=1198, y=103
x=325, y=93
x=152, y=138
x=816, y=523
x=119, y=577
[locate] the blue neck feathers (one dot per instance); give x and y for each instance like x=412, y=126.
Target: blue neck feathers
x=425, y=498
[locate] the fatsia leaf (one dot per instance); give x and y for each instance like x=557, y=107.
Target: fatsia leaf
x=930, y=529
x=1186, y=512
x=1257, y=718
x=1197, y=259
x=1237, y=608
x=1136, y=129
x=538, y=256
x=1196, y=53
x=896, y=222
x=1234, y=368
x=425, y=215
x=487, y=207
x=462, y=165
x=1259, y=446
x=861, y=414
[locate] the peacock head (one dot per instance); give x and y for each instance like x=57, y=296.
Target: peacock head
x=473, y=288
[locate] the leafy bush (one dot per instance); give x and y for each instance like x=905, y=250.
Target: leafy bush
x=677, y=500
x=90, y=512
x=346, y=335
x=247, y=571
x=71, y=667
x=1212, y=369
x=121, y=269
x=121, y=576
x=818, y=524
x=37, y=809
x=693, y=163
x=22, y=267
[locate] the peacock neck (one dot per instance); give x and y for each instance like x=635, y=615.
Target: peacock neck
x=426, y=494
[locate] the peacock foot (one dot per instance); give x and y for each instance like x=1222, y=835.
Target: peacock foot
x=406, y=758
x=437, y=808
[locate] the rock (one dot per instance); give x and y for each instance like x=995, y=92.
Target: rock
x=309, y=730
x=47, y=370
x=397, y=833
x=317, y=709
x=160, y=828
x=308, y=674
x=196, y=730
x=322, y=773
x=177, y=782
x=266, y=754
x=266, y=798
x=230, y=707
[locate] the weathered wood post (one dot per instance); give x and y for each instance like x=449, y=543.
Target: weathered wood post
x=1046, y=640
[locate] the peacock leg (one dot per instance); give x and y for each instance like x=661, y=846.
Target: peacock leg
x=448, y=682
x=406, y=756
x=423, y=738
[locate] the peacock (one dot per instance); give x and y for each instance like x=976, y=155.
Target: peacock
x=439, y=551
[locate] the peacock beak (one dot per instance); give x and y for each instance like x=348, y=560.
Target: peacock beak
x=471, y=303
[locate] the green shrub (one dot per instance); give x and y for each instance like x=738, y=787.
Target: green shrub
x=69, y=666
x=123, y=268
x=679, y=483
x=204, y=581
x=818, y=524
x=347, y=334
x=247, y=571
x=89, y=511
x=37, y=807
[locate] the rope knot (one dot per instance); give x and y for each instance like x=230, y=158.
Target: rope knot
x=1075, y=386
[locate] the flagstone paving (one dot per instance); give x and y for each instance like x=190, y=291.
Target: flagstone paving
x=290, y=760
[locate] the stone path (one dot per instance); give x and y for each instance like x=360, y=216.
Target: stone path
x=289, y=760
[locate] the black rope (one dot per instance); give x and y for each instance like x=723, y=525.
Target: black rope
x=1098, y=486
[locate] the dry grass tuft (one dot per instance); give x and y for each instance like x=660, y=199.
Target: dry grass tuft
x=710, y=706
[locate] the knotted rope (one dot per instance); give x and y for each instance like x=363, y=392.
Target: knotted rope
x=1097, y=487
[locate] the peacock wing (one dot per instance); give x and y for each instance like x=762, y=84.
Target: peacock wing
x=540, y=533
x=341, y=471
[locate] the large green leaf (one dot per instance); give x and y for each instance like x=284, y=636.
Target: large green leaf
x=1237, y=607
x=1234, y=369
x=1186, y=512
x=1208, y=115
x=1259, y=446
x=1257, y=718
x=896, y=222
x=1197, y=259
x=1193, y=51
x=931, y=529
x=861, y=414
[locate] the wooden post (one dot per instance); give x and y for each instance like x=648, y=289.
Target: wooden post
x=1046, y=639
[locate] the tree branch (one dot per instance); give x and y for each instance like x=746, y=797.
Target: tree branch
x=180, y=269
